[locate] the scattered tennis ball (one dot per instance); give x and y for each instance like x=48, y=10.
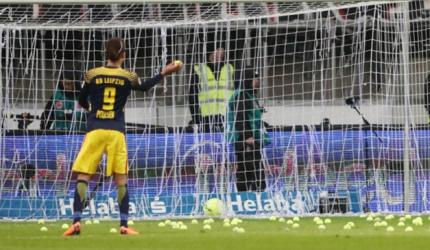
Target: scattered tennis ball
x=194, y=221
x=41, y=221
x=351, y=224
x=281, y=220
x=296, y=225
x=417, y=221
x=377, y=219
x=183, y=227
x=316, y=218
x=130, y=222
x=95, y=221
x=235, y=221
x=321, y=227
x=240, y=230
x=319, y=222
x=389, y=217
x=409, y=229
x=402, y=219
x=296, y=219
x=347, y=227
x=235, y=229
x=272, y=218
x=363, y=216
x=226, y=224
x=369, y=218
x=390, y=229
x=207, y=227
x=180, y=223
x=113, y=230
x=65, y=226
x=401, y=224
x=161, y=224
x=377, y=224
x=226, y=220
x=408, y=216
x=290, y=222
x=383, y=223
x=327, y=221
x=88, y=222
x=168, y=222
x=43, y=229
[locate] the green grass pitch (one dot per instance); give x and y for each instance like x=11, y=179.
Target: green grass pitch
x=259, y=234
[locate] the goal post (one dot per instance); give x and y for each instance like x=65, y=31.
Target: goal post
x=344, y=96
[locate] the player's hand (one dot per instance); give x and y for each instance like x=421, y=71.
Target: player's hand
x=171, y=68
x=250, y=141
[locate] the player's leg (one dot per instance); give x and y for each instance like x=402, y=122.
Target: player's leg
x=118, y=166
x=85, y=165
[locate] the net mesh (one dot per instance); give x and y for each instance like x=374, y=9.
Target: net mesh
x=343, y=95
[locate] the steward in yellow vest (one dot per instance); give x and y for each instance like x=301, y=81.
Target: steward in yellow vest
x=211, y=88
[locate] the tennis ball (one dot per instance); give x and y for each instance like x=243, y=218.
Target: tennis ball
x=401, y=224
x=95, y=221
x=351, y=224
x=390, y=229
x=178, y=63
x=168, y=222
x=327, y=221
x=296, y=219
x=88, y=222
x=235, y=229
x=363, y=216
x=316, y=219
x=41, y=221
x=226, y=220
x=389, y=217
x=240, y=230
x=183, y=227
x=290, y=222
x=226, y=224
x=409, y=229
x=43, y=229
x=319, y=222
x=296, y=225
x=161, y=224
x=234, y=222
x=408, y=216
x=207, y=227
x=272, y=218
x=194, y=221
x=377, y=224
x=377, y=219
x=213, y=207
x=65, y=226
x=130, y=222
x=180, y=223
x=369, y=218
x=281, y=220
x=417, y=221
x=383, y=223
x=113, y=230
x=321, y=227
x=402, y=219
x=347, y=227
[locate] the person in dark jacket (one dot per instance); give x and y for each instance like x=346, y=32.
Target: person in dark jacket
x=62, y=111
x=245, y=130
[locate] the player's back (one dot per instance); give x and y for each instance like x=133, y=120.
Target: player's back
x=109, y=89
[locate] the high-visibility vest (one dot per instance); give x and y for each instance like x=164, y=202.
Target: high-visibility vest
x=214, y=94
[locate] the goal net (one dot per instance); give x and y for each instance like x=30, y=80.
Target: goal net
x=343, y=101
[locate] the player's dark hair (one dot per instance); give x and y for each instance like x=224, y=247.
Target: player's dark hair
x=114, y=47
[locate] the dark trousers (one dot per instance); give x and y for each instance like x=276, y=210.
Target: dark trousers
x=212, y=124
x=250, y=172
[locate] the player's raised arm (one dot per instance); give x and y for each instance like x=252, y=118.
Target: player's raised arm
x=148, y=84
